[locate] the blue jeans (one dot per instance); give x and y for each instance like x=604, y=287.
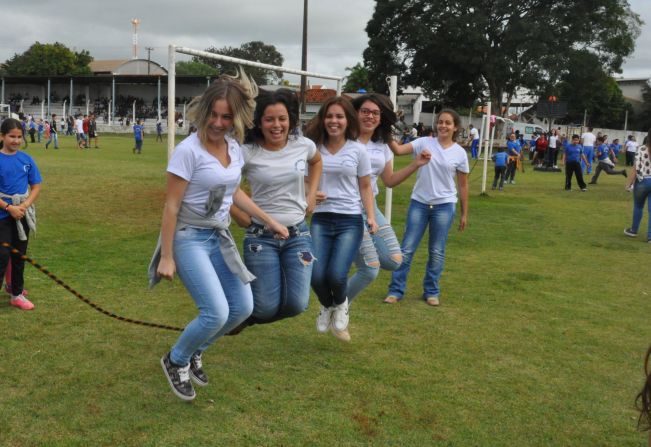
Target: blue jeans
x=588, y=151
x=642, y=194
x=419, y=216
x=283, y=270
x=224, y=302
x=474, y=148
x=53, y=137
x=336, y=239
x=380, y=250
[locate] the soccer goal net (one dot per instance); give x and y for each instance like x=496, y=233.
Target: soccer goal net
x=171, y=81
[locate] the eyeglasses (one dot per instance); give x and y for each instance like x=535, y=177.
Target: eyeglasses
x=367, y=112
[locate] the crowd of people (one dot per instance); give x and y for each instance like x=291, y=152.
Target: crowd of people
x=330, y=174
x=578, y=154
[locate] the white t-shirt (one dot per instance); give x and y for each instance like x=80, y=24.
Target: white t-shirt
x=435, y=181
x=474, y=134
x=277, y=178
x=631, y=146
x=588, y=139
x=203, y=172
x=339, y=180
x=79, y=124
x=379, y=154
x=552, y=141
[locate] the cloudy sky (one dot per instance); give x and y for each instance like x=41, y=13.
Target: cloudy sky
x=336, y=28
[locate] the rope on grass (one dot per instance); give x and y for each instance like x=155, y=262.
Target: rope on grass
x=98, y=308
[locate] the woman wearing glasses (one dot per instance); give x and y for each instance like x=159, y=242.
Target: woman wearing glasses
x=380, y=250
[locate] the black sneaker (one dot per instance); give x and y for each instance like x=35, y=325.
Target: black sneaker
x=179, y=378
x=196, y=370
x=630, y=233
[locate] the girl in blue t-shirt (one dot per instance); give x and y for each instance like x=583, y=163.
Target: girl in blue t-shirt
x=139, y=135
x=20, y=185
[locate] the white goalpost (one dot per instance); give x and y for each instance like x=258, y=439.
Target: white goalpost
x=171, y=81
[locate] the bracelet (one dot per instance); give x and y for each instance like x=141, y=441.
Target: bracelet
x=7, y=207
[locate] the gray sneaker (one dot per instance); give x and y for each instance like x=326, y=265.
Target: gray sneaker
x=179, y=378
x=197, y=373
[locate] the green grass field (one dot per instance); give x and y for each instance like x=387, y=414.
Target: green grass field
x=539, y=339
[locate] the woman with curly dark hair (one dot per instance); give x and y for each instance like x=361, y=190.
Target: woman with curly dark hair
x=381, y=250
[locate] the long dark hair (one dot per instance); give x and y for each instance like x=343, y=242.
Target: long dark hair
x=387, y=116
x=316, y=127
x=265, y=99
x=8, y=125
x=643, y=400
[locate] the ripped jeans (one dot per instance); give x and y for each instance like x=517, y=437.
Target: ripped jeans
x=283, y=270
x=378, y=251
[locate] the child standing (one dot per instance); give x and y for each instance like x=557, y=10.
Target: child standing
x=159, y=131
x=139, y=134
x=20, y=184
x=500, y=167
x=572, y=157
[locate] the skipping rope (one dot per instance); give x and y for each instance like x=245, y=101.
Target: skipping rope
x=95, y=306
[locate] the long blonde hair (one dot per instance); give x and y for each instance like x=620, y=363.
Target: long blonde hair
x=238, y=91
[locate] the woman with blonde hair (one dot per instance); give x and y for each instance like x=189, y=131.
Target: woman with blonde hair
x=203, y=177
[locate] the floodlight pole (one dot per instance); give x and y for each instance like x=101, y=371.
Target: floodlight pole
x=171, y=93
x=304, y=57
x=486, y=133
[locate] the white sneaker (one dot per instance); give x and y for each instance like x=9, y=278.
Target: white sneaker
x=323, y=319
x=340, y=316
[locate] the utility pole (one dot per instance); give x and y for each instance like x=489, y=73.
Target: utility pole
x=149, y=50
x=304, y=56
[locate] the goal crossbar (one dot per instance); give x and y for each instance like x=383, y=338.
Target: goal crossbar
x=171, y=81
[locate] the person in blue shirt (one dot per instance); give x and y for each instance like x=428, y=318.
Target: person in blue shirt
x=605, y=163
x=572, y=157
x=20, y=185
x=500, y=159
x=40, y=129
x=139, y=135
x=159, y=131
x=513, y=150
x=615, y=147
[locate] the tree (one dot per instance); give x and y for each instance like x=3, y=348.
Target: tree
x=357, y=79
x=587, y=87
x=461, y=49
x=48, y=59
x=253, y=51
x=195, y=68
x=644, y=121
